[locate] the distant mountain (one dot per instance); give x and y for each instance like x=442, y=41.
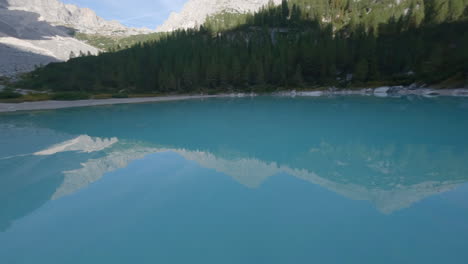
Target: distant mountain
x=37, y=32
x=301, y=44
x=83, y=20
x=195, y=12
x=27, y=42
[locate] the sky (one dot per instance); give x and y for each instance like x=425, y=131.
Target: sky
x=132, y=13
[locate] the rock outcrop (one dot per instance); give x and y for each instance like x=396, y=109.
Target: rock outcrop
x=83, y=20
x=195, y=12
x=38, y=32
x=27, y=42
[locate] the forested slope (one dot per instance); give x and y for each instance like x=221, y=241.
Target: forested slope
x=301, y=43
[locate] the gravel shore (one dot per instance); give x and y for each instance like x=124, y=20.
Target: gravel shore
x=397, y=91
x=45, y=105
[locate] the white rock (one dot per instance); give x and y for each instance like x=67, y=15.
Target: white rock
x=429, y=93
x=460, y=92
x=38, y=32
x=382, y=91
x=312, y=94
x=26, y=42
x=82, y=19
x=195, y=12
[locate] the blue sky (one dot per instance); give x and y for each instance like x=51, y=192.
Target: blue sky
x=134, y=13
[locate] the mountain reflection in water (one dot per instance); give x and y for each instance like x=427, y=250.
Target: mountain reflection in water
x=262, y=180
x=387, y=156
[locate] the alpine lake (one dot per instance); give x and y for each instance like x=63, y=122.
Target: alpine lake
x=347, y=179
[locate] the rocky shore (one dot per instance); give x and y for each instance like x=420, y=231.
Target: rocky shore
x=385, y=91
x=48, y=105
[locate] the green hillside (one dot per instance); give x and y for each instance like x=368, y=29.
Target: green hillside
x=116, y=43
x=299, y=44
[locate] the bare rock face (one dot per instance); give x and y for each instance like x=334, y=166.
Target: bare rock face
x=37, y=32
x=195, y=12
x=83, y=20
x=26, y=42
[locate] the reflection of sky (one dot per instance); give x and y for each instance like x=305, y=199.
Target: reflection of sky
x=161, y=206
x=16, y=140
x=176, y=181
x=249, y=172
x=457, y=198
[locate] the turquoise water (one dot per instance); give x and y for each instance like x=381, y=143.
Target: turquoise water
x=262, y=180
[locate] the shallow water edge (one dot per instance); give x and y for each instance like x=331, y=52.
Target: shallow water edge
x=390, y=91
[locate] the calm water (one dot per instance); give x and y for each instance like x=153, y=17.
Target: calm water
x=264, y=180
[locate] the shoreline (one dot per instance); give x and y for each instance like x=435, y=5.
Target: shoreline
x=386, y=91
x=390, y=92
x=52, y=105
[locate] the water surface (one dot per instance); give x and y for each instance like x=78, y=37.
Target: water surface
x=253, y=180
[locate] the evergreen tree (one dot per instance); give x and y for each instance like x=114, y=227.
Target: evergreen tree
x=298, y=80
x=289, y=44
x=72, y=55
x=361, y=71
x=284, y=10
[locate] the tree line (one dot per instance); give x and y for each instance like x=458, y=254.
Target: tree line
x=300, y=43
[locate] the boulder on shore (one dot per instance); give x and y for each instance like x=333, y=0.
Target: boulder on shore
x=381, y=91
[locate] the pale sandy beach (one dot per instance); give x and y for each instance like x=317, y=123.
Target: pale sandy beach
x=47, y=105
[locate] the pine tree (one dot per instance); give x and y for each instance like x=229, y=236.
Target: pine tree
x=260, y=74
x=361, y=71
x=236, y=72
x=298, y=80
x=323, y=40
x=296, y=14
x=416, y=14
x=284, y=10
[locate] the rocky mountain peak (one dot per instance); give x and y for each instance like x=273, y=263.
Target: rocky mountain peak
x=195, y=12
x=83, y=20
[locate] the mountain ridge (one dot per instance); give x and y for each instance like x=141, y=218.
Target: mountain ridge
x=361, y=44
x=83, y=20
x=27, y=42
x=195, y=12
x=38, y=32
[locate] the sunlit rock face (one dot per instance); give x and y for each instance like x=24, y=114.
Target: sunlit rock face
x=195, y=12
x=37, y=32
x=82, y=19
x=27, y=42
